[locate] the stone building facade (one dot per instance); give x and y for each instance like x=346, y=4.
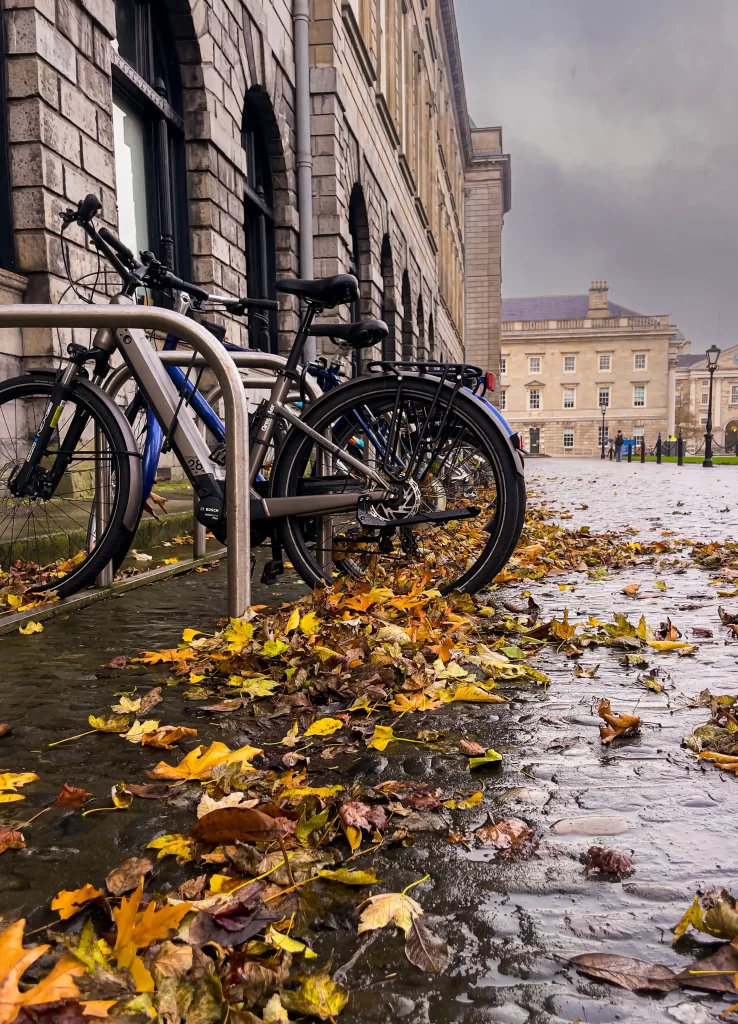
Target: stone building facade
x=693, y=395
x=180, y=116
x=564, y=357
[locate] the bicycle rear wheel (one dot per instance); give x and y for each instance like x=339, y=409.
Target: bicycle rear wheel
x=58, y=537
x=461, y=462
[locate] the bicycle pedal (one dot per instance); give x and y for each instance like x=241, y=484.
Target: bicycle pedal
x=272, y=570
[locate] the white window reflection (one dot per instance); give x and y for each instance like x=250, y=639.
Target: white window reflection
x=130, y=175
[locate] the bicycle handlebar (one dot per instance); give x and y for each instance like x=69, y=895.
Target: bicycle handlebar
x=115, y=243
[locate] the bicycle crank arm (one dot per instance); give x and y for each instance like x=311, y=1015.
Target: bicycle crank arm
x=367, y=519
x=310, y=504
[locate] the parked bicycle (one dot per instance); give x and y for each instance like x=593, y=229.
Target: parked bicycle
x=401, y=466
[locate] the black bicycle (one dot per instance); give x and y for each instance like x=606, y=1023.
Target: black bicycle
x=404, y=466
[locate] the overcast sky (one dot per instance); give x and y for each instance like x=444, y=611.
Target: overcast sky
x=621, y=120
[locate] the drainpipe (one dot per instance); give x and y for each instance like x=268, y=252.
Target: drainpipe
x=301, y=18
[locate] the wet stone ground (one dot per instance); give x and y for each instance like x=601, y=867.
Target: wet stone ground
x=510, y=925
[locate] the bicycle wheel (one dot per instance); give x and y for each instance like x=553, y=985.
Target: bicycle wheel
x=461, y=462
x=52, y=536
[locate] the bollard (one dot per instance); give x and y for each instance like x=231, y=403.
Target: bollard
x=658, y=450
x=643, y=448
x=630, y=451
x=680, y=450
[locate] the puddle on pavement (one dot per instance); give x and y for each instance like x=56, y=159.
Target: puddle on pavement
x=511, y=925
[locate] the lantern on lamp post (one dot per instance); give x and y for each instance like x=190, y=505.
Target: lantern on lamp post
x=603, y=407
x=712, y=355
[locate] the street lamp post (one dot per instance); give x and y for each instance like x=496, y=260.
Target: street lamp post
x=712, y=354
x=603, y=406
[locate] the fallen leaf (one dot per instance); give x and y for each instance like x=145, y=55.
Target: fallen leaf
x=715, y=973
x=11, y=840
x=15, y=780
x=309, y=624
x=32, y=627
x=68, y=902
x=471, y=748
x=472, y=692
x=388, y=908
x=109, y=723
x=363, y=816
x=174, y=845
x=318, y=996
x=236, y=823
x=616, y=724
x=138, y=730
x=57, y=986
x=491, y=757
x=509, y=834
x=626, y=972
x=347, y=877
x=127, y=876
x=631, y=589
x=200, y=763
x=382, y=736
x=609, y=862
x=424, y=949
x=5, y=729
x=166, y=736
x=324, y=727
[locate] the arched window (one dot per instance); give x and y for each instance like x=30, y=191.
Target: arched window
x=149, y=134
x=408, y=340
x=431, y=338
x=259, y=221
x=359, y=260
x=389, y=350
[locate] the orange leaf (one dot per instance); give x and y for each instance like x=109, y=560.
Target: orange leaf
x=15, y=961
x=615, y=723
x=68, y=902
x=166, y=736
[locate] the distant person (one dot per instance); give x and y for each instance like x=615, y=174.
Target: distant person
x=619, y=442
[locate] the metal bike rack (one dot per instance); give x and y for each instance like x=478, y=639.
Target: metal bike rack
x=234, y=396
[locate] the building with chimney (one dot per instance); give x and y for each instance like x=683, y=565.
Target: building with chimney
x=565, y=358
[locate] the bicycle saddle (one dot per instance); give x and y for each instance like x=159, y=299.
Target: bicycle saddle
x=329, y=291
x=358, y=335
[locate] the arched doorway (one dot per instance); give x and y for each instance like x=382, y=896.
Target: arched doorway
x=389, y=304
x=408, y=336
x=431, y=338
x=259, y=216
x=731, y=436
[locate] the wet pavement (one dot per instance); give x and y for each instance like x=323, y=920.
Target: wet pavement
x=510, y=925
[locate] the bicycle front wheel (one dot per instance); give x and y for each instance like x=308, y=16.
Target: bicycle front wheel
x=442, y=455
x=59, y=536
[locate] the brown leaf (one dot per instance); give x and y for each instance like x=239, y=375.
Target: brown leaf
x=119, y=661
x=425, y=949
x=696, y=975
x=726, y=617
x=151, y=790
x=5, y=729
x=627, y=972
x=193, y=889
x=616, y=724
x=505, y=835
x=166, y=736
x=70, y=797
x=126, y=877
x=150, y=700
x=363, y=816
x=631, y=589
x=610, y=862
x=232, y=823
x=471, y=748
x=11, y=840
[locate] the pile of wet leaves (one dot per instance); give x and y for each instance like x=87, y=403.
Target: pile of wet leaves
x=282, y=837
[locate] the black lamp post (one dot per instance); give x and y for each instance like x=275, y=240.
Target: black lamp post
x=712, y=354
x=603, y=406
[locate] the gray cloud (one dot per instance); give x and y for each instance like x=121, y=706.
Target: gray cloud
x=620, y=118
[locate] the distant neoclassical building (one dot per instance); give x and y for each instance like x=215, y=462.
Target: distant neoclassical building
x=564, y=357
x=693, y=394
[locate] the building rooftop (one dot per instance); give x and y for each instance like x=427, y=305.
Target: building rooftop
x=556, y=307
x=690, y=360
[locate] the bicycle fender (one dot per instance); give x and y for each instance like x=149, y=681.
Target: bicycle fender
x=130, y=520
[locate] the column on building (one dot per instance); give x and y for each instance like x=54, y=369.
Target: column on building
x=671, y=395
x=487, y=200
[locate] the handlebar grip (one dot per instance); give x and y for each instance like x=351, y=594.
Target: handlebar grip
x=172, y=281
x=87, y=208
x=115, y=243
x=259, y=303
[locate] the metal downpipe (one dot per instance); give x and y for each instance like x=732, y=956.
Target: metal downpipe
x=304, y=156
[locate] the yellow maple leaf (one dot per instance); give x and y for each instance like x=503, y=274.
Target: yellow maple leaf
x=309, y=624
x=14, y=780
x=139, y=729
x=175, y=845
x=189, y=635
x=670, y=645
x=464, y=805
x=414, y=702
x=382, y=735
x=280, y=941
x=353, y=834
x=318, y=996
x=324, y=727
x=32, y=627
x=387, y=908
x=109, y=723
x=137, y=931
x=472, y=692
x=200, y=763
x=68, y=902
x=293, y=622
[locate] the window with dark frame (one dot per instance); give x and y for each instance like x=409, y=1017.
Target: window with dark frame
x=259, y=226
x=149, y=134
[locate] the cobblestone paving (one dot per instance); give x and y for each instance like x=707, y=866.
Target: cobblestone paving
x=510, y=925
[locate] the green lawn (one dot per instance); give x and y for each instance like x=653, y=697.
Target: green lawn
x=718, y=460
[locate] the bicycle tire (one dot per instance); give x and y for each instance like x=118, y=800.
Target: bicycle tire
x=119, y=530
x=489, y=439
